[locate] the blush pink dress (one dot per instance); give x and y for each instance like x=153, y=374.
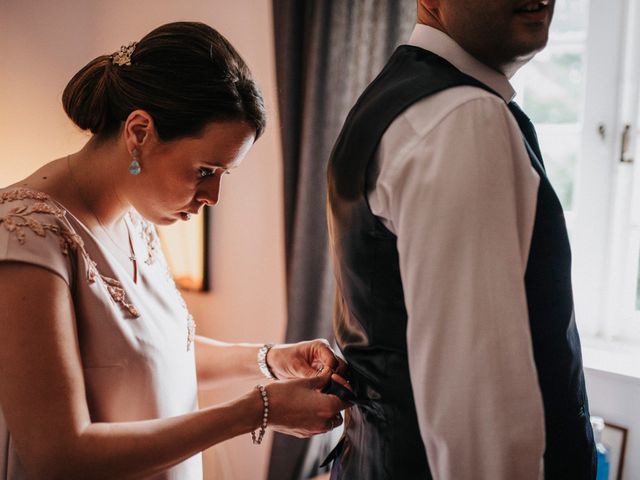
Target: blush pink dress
x=133, y=337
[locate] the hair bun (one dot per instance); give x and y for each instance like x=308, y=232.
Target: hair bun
x=86, y=96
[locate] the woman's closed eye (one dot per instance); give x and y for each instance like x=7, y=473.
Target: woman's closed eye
x=208, y=172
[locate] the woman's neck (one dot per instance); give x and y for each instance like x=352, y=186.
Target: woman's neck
x=98, y=175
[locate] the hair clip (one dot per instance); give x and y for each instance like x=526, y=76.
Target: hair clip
x=123, y=56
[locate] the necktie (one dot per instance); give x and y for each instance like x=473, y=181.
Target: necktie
x=527, y=129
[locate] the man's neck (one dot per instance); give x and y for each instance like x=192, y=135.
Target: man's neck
x=507, y=69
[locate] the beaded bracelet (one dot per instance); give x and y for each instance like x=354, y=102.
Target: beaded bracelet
x=262, y=361
x=257, y=439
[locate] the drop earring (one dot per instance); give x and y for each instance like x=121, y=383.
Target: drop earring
x=134, y=166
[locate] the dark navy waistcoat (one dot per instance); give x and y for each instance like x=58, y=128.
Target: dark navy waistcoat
x=382, y=439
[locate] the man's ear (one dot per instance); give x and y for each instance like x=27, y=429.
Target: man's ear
x=429, y=12
x=428, y=5
x=139, y=129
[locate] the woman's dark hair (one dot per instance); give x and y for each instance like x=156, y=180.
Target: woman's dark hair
x=184, y=74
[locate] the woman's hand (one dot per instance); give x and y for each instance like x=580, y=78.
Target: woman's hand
x=303, y=359
x=298, y=408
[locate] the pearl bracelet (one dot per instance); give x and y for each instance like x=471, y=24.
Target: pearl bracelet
x=257, y=439
x=262, y=361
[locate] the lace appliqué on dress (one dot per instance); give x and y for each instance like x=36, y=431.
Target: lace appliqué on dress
x=18, y=219
x=150, y=237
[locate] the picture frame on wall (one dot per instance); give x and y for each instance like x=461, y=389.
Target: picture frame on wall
x=186, y=248
x=615, y=438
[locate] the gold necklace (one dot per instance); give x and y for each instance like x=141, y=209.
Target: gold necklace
x=131, y=255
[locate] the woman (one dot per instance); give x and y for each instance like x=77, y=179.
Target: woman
x=98, y=374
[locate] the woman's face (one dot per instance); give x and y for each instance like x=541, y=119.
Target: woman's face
x=180, y=176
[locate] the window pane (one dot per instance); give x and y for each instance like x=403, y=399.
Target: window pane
x=551, y=90
x=570, y=16
x=560, y=145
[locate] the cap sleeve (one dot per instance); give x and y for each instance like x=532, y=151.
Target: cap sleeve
x=34, y=230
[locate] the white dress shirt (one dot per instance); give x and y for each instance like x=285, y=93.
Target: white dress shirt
x=453, y=181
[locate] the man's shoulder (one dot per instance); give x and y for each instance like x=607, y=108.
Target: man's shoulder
x=428, y=113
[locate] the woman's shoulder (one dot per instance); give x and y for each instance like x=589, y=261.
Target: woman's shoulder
x=25, y=212
x=18, y=196
x=34, y=229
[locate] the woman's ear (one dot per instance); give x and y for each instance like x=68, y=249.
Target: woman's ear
x=139, y=129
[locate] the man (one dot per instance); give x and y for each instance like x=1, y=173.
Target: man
x=454, y=306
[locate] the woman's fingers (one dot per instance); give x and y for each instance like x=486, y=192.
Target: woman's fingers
x=321, y=379
x=298, y=407
x=325, y=355
x=342, y=367
x=342, y=381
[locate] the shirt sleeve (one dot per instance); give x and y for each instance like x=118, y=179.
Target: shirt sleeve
x=36, y=233
x=461, y=198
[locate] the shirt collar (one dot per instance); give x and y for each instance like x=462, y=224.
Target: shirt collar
x=443, y=45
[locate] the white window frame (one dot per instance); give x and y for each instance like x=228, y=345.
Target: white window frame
x=604, y=221
x=619, y=319
x=630, y=315
x=604, y=281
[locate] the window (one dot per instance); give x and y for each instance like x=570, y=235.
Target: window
x=551, y=90
x=582, y=94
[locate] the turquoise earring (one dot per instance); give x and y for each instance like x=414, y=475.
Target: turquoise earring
x=134, y=166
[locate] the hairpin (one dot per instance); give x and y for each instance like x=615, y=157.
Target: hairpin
x=123, y=56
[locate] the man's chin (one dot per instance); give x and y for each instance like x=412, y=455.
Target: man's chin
x=525, y=50
x=531, y=42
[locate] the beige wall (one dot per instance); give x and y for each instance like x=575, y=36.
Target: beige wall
x=43, y=42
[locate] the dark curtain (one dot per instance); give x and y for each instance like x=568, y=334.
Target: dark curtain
x=327, y=51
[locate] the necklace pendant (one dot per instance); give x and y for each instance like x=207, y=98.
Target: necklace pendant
x=191, y=331
x=135, y=268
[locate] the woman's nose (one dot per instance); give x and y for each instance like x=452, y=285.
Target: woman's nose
x=210, y=193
